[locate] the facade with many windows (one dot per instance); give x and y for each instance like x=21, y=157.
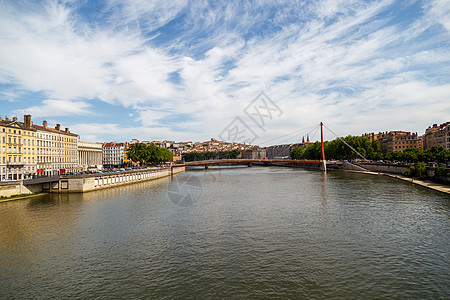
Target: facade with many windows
x=437, y=135
x=17, y=149
x=396, y=141
x=399, y=141
x=57, y=150
x=113, y=154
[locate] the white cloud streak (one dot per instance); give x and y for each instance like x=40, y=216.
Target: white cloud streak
x=344, y=62
x=52, y=108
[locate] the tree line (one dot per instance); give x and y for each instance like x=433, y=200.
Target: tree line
x=337, y=149
x=195, y=156
x=144, y=154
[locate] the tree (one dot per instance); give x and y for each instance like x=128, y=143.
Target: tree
x=337, y=149
x=196, y=156
x=142, y=153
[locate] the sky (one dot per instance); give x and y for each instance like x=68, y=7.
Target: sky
x=261, y=71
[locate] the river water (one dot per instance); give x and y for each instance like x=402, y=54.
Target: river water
x=248, y=233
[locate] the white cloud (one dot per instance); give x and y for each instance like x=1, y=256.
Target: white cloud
x=53, y=108
x=440, y=11
x=343, y=62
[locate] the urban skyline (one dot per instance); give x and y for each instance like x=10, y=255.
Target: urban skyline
x=185, y=70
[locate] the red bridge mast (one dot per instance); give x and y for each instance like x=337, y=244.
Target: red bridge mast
x=323, y=167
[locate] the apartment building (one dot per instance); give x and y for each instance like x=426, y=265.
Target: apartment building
x=254, y=154
x=17, y=149
x=437, y=136
x=285, y=150
x=57, y=150
x=113, y=154
x=398, y=141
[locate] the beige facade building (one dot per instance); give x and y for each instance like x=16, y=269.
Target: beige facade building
x=90, y=156
x=396, y=141
x=437, y=136
x=399, y=141
x=57, y=150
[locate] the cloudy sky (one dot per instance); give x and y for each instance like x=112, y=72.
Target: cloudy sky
x=192, y=70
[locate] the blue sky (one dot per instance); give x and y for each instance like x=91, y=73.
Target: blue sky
x=184, y=70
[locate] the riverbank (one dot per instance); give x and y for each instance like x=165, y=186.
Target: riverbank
x=10, y=191
x=20, y=197
x=428, y=184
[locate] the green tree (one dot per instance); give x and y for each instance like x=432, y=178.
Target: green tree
x=142, y=153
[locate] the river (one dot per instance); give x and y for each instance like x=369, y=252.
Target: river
x=248, y=233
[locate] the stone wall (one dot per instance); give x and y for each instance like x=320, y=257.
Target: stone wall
x=85, y=183
x=81, y=184
x=385, y=168
x=10, y=188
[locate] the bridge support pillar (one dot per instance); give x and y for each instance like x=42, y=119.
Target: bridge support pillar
x=323, y=166
x=206, y=167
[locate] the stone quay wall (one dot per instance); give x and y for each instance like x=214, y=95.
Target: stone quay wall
x=93, y=182
x=83, y=183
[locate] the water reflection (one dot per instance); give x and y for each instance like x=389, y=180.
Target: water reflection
x=254, y=232
x=323, y=185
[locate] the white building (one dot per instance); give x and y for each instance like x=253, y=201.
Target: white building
x=90, y=156
x=113, y=154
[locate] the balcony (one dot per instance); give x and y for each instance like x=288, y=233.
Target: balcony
x=14, y=164
x=17, y=143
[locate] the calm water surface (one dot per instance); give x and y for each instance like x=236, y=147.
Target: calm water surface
x=245, y=233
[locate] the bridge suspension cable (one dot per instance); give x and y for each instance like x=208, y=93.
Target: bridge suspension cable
x=303, y=131
x=342, y=140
